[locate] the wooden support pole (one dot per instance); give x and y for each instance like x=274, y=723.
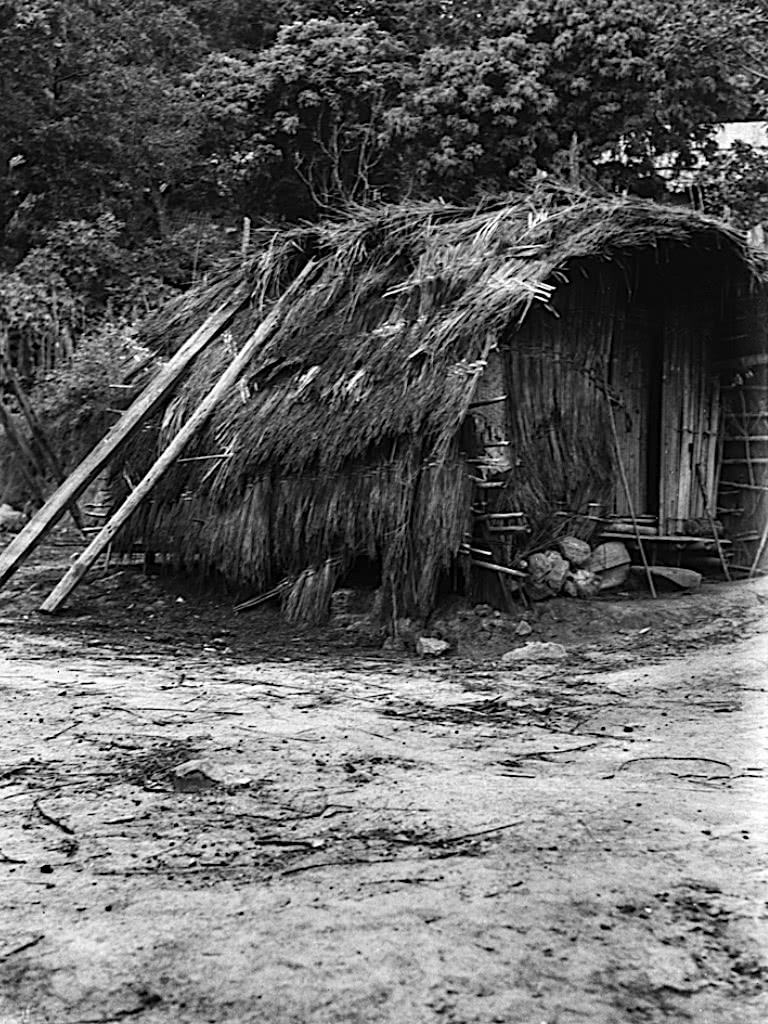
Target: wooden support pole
x=754, y=568
x=225, y=382
x=504, y=569
x=628, y=496
x=47, y=517
x=711, y=520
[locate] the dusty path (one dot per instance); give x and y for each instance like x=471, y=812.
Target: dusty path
x=390, y=840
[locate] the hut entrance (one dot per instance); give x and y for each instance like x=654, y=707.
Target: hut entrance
x=668, y=411
x=636, y=377
x=643, y=336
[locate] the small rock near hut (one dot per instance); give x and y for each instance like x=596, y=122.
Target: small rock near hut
x=535, y=650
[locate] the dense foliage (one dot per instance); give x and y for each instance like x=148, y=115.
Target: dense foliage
x=136, y=136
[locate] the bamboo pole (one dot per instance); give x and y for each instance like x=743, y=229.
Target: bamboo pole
x=230, y=377
x=500, y=569
x=754, y=570
x=47, y=517
x=628, y=496
x=710, y=518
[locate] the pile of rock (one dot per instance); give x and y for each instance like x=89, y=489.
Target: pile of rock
x=572, y=567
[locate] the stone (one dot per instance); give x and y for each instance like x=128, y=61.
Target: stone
x=575, y=551
x=610, y=562
x=547, y=571
x=523, y=628
x=559, y=569
x=394, y=644
x=11, y=520
x=678, y=579
x=407, y=630
x=538, y=566
x=341, y=601
x=431, y=647
x=535, y=650
x=582, y=583
x=608, y=555
x=614, y=577
x=201, y=774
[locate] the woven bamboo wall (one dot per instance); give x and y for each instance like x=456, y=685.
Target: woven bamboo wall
x=556, y=368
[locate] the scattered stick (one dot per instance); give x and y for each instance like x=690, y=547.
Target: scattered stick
x=483, y=832
x=628, y=495
x=711, y=520
x=51, y=820
x=754, y=568
x=548, y=753
x=20, y=949
x=660, y=757
x=332, y=864
x=222, y=386
x=5, y=859
x=132, y=419
x=500, y=569
x=55, y=735
x=121, y=1014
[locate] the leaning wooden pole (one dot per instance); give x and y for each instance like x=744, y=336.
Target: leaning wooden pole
x=755, y=567
x=628, y=496
x=222, y=386
x=711, y=521
x=47, y=517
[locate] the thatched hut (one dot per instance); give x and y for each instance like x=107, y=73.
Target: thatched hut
x=445, y=374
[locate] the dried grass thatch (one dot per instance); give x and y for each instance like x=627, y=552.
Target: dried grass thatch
x=343, y=438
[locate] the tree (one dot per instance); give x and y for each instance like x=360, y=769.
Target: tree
x=605, y=84
x=94, y=115
x=476, y=119
x=304, y=125
x=734, y=186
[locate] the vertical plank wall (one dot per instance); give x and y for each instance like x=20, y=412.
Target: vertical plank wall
x=690, y=411
x=556, y=367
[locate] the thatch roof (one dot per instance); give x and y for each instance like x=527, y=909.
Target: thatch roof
x=342, y=439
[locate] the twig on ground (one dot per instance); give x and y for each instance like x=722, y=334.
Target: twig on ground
x=5, y=859
x=482, y=832
x=661, y=757
x=449, y=842
x=20, y=949
x=120, y=1015
x=55, y=736
x=549, y=753
x=331, y=864
x=51, y=820
x=407, y=881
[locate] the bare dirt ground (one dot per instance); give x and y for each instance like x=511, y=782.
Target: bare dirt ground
x=383, y=839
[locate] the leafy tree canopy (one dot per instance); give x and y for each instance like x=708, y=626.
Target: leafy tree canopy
x=161, y=115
